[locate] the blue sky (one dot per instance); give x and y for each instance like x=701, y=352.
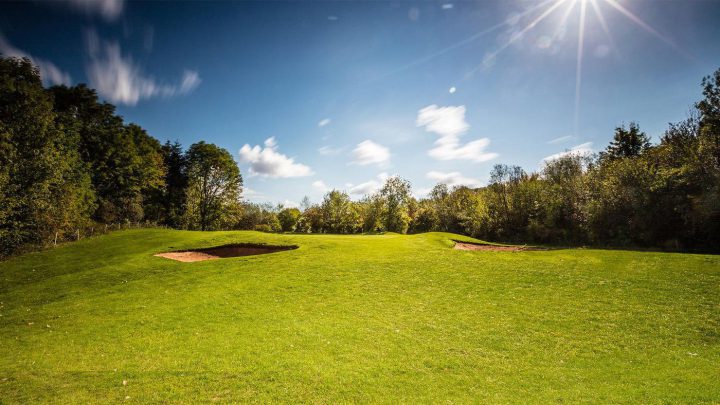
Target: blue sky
x=310, y=96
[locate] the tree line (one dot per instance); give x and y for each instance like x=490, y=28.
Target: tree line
x=67, y=161
x=633, y=193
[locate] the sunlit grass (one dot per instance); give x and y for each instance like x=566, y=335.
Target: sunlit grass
x=386, y=318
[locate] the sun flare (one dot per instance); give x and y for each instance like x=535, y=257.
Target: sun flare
x=579, y=10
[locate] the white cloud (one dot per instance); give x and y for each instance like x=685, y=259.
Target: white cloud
x=449, y=123
x=580, y=150
x=447, y=6
x=328, y=150
x=108, y=9
x=119, y=80
x=324, y=122
x=320, y=186
x=49, y=72
x=452, y=90
x=453, y=179
x=368, y=152
x=290, y=204
x=190, y=81
x=369, y=186
x=561, y=139
x=268, y=162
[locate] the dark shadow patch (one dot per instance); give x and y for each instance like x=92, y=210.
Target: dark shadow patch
x=221, y=252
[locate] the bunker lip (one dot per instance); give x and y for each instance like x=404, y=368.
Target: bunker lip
x=460, y=245
x=224, y=251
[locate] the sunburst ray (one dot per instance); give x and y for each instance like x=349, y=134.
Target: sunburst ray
x=603, y=24
x=578, y=64
x=637, y=20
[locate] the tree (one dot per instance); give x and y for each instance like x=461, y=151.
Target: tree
x=125, y=162
x=564, y=198
x=305, y=203
x=470, y=211
x=396, y=196
x=176, y=182
x=423, y=218
x=288, y=218
x=443, y=215
x=311, y=220
x=504, y=183
x=44, y=187
x=708, y=204
x=370, y=210
x=338, y=213
x=626, y=143
x=709, y=109
x=214, y=185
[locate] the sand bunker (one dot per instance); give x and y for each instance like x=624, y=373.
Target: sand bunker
x=477, y=246
x=219, y=252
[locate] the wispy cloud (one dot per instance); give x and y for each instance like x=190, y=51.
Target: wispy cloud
x=369, y=186
x=117, y=78
x=268, y=162
x=110, y=10
x=368, y=152
x=560, y=139
x=329, y=150
x=453, y=179
x=49, y=72
x=580, y=150
x=324, y=122
x=449, y=123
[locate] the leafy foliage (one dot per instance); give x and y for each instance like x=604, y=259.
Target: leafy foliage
x=67, y=160
x=288, y=219
x=214, y=187
x=44, y=188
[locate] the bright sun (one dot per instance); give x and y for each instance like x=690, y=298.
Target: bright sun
x=578, y=8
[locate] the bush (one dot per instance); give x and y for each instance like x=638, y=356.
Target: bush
x=263, y=228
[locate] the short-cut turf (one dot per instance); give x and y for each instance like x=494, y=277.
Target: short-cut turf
x=386, y=318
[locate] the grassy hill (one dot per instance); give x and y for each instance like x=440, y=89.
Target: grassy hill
x=387, y=318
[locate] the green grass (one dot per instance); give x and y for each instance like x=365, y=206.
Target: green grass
x=385, y=318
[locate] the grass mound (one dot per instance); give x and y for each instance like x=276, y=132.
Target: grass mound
x=382, y=318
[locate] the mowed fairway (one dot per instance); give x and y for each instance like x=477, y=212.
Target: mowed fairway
x=387, y=318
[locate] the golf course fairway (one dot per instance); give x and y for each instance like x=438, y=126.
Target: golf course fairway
x=366, y=318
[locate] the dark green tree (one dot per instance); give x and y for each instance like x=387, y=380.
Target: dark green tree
x=44, y=187
x=125, y=163
x=214, y=187
x=630, y=142
x=288, y=218
x=172, y=196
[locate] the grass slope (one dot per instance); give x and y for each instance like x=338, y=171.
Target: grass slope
x=386, y=318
